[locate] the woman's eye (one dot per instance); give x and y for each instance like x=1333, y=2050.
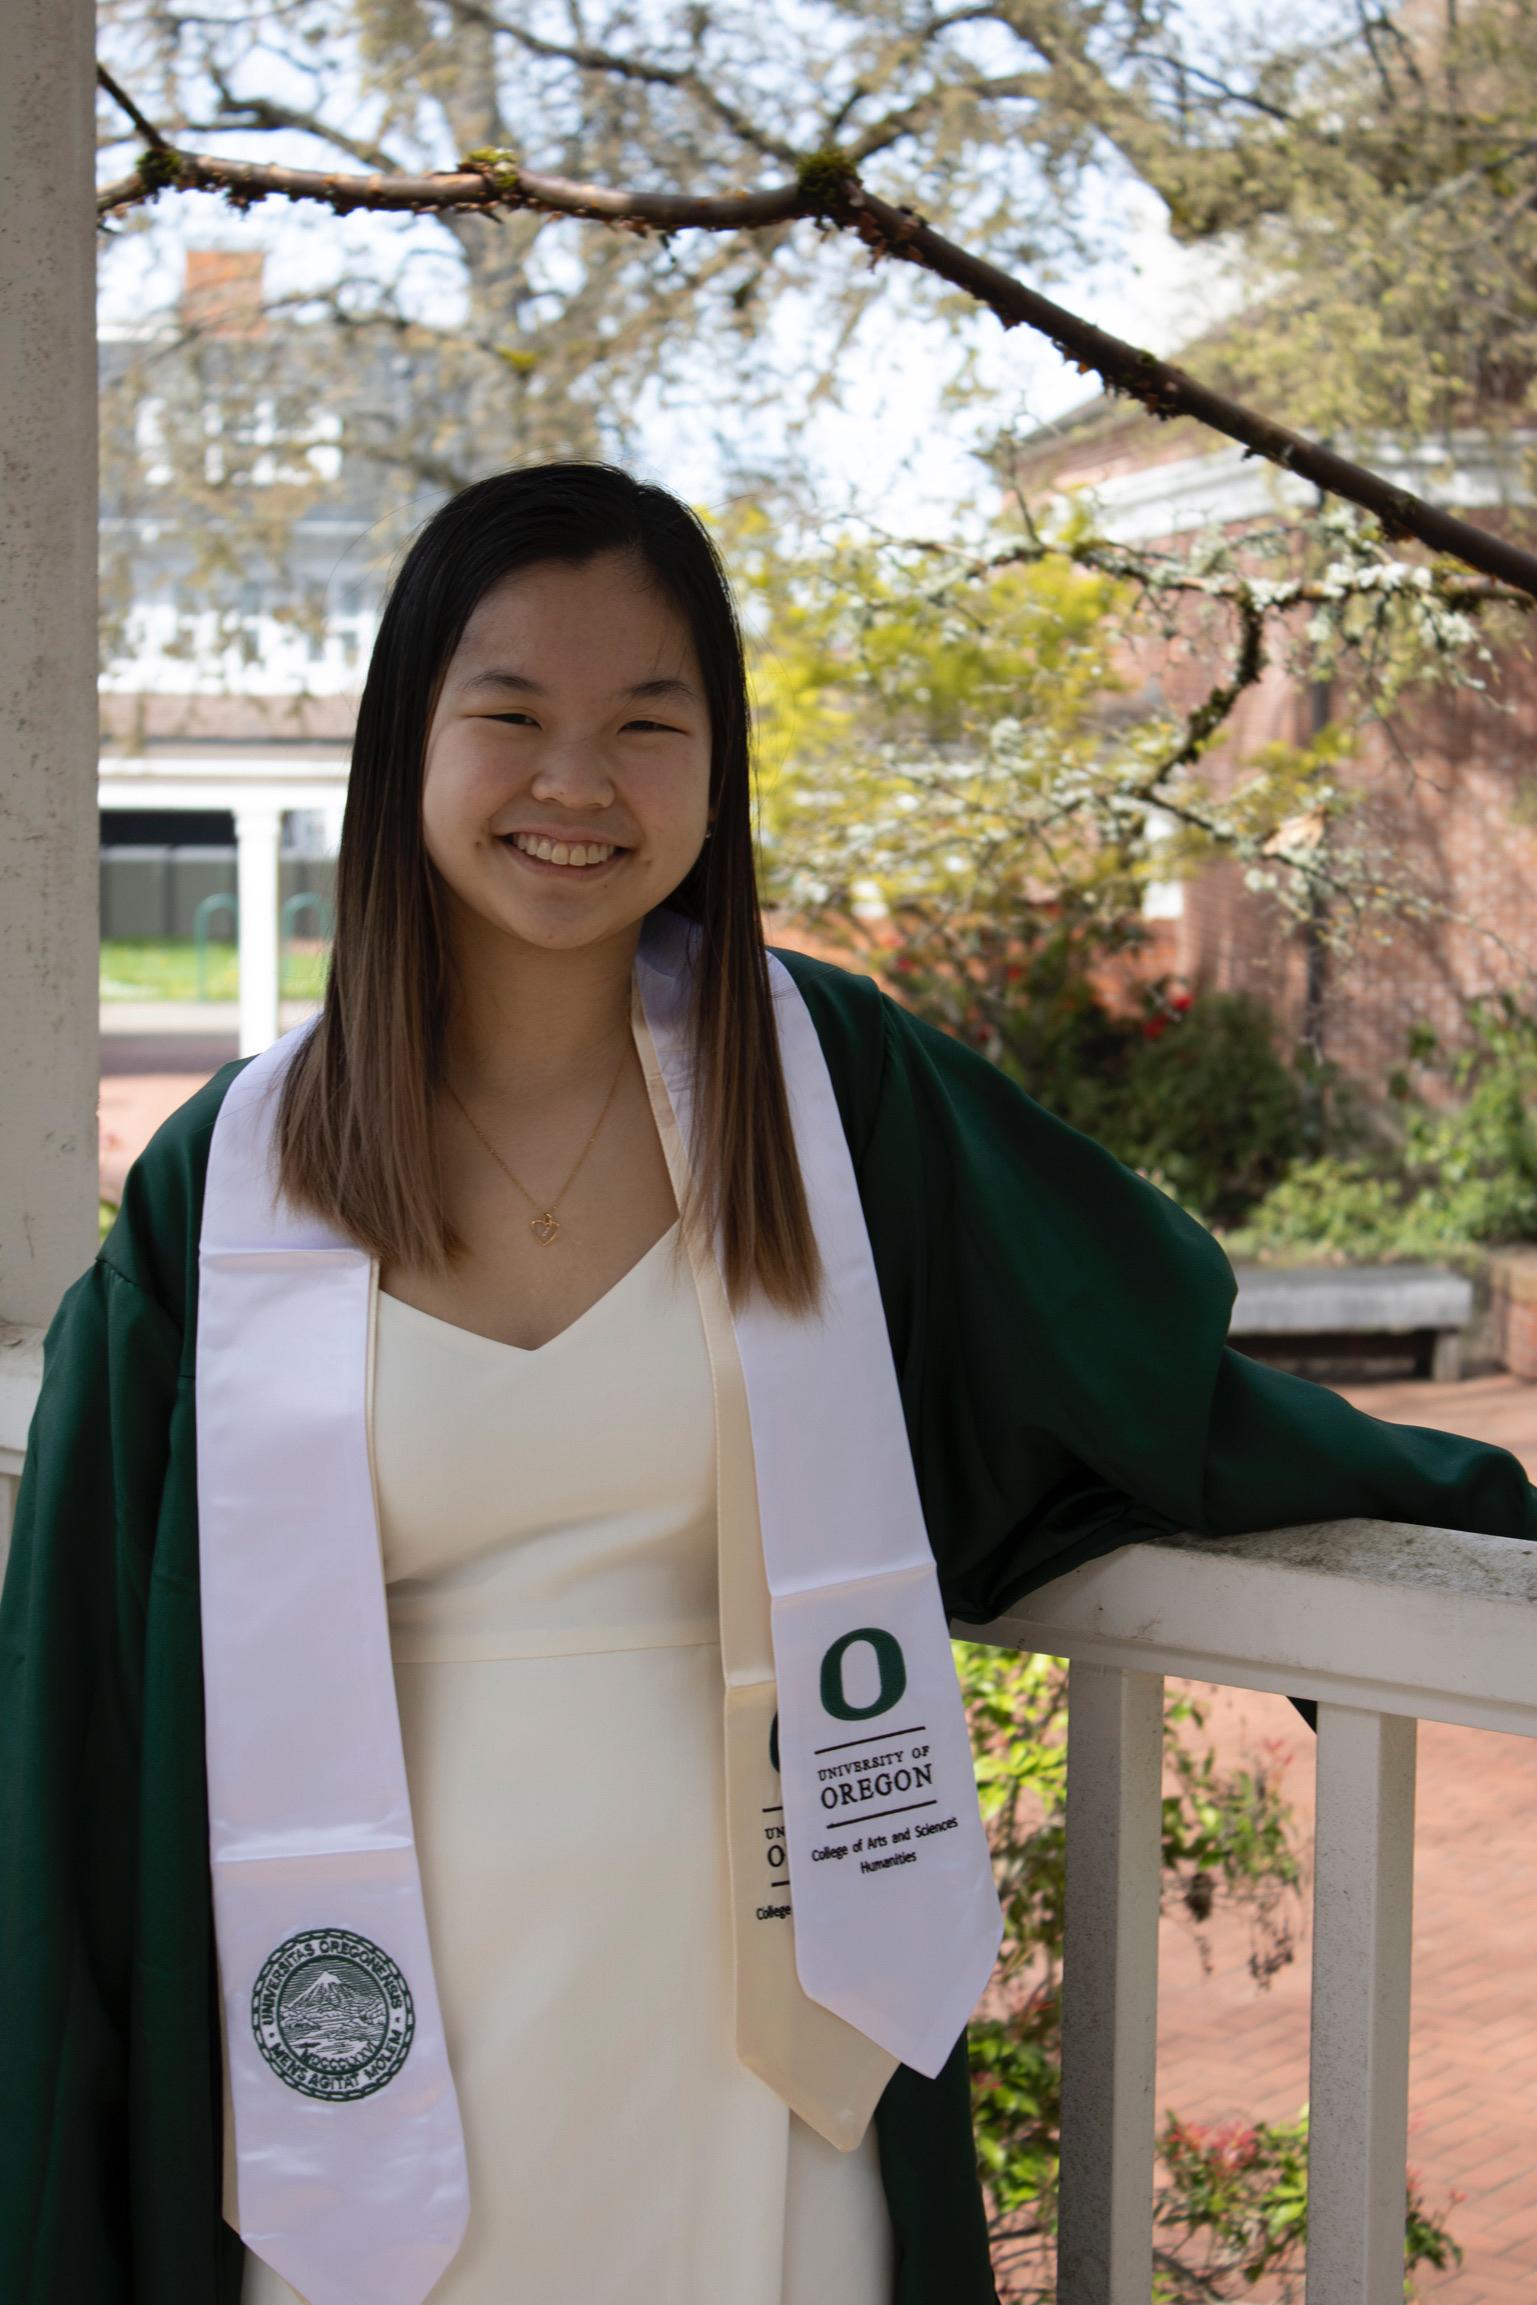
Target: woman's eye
x=660, y=725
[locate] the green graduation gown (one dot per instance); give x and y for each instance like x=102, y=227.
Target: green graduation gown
x=1059, y=1333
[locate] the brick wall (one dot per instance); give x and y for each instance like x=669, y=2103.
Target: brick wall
x=1448, y=791
x=1513, y=1309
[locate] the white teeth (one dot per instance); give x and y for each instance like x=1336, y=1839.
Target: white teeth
x=563, y=852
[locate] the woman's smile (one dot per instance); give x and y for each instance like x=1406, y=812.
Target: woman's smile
x=568, y=870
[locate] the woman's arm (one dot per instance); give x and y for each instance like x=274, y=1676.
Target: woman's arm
x=1060, y=1329
x=72, y=1617
x=1282, y=1450
x=110, y=2075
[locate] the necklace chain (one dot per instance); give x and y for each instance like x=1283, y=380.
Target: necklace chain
x=545, y=1225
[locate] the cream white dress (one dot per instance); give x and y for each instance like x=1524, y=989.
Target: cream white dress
x=549, y=1534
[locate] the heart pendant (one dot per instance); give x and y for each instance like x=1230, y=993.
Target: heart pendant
x=544, y=1228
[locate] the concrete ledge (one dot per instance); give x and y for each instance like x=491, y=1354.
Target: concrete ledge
x=1341, y=1300
x=1319, y=1306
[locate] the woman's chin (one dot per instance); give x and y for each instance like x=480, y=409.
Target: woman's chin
x=553, y=926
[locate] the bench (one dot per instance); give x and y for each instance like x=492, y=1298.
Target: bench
x=1426, y=1304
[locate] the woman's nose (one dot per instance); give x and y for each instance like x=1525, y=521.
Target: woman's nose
x=573, y=772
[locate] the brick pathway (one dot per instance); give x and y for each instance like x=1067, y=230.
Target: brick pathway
x=131, y=1108
x=1227, y=2048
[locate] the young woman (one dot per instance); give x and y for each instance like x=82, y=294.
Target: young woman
x=486, y=1810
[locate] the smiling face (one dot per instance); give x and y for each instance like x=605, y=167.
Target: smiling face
x=573, y=708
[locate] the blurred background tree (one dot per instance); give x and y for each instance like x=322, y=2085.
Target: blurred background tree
x=959, y=793
x=1367, y=181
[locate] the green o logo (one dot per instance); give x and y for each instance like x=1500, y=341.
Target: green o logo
x=889, y=1662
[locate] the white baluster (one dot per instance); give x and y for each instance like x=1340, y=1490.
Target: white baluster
x=258, y=831
x=1110, y=1985
x=1358, y=2089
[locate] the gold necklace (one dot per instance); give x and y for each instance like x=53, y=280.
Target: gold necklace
x=546, y=1224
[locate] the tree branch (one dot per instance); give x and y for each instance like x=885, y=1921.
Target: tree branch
x=587, y=58
x=1270, y=593
x=1204, y=719
x=125, y=102
x=907, y=118
x=1181, y=70
x=262, y=114
x=826, y=187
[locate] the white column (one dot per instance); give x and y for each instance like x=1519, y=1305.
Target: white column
x=1110, y=1985
x=258, y=825
x=48, y=842
x=1358, y=2080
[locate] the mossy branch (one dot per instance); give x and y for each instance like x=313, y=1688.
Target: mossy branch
x=826, y=187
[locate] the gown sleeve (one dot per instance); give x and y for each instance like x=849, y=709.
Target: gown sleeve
x=1060, y=1330
x=109, y=2068
x=72, y=1619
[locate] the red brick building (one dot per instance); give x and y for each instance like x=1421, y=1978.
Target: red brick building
x=1449, y=791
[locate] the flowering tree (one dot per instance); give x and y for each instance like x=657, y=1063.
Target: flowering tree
x=949, y=729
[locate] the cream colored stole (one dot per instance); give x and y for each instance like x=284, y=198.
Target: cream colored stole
x=824, y=2068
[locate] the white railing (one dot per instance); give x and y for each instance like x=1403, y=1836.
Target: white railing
x=1383, y=1624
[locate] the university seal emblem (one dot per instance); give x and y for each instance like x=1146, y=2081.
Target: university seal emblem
x=332, y=2014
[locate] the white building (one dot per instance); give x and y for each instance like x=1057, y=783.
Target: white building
x=230, y=688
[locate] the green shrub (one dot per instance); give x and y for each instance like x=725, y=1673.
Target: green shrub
x=1208, y=1103
x=1447, y=1179
x=1190, y=1089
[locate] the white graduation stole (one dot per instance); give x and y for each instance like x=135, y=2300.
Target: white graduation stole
x=348, y=2144
x=897, y=1923
x=349, y=2149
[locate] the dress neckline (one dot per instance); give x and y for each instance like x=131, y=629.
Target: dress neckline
x=474, y=1337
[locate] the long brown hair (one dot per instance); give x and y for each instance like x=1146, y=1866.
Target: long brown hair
x=356, y=1144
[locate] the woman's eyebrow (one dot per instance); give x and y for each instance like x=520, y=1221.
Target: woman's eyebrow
x=526, y=687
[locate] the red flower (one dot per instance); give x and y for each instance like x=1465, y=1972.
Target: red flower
x=1179, y=1002
x=1154, y=1027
